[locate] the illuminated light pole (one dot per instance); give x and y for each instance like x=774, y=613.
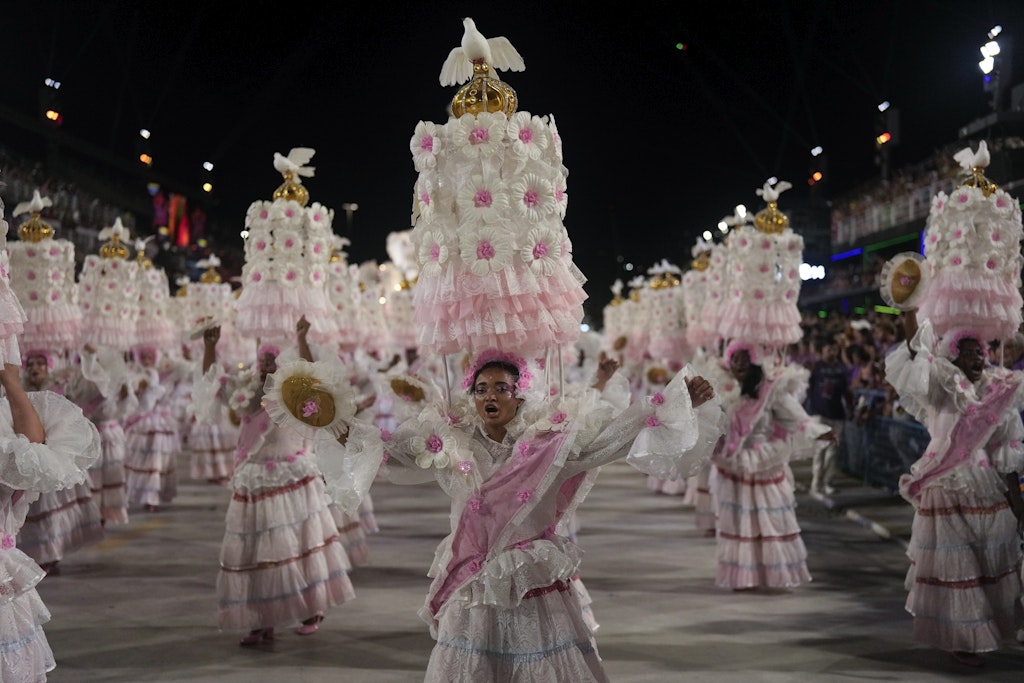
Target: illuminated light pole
x=350, y=209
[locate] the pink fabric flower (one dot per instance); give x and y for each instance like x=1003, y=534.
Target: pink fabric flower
x=524, y=495
x=658, y=398
x=310, y=408
x=434, y=443
x=385, y=435
x=475, y=503
x=465, y=466
x=558, y=418
x=8, y=542
x=653, y=421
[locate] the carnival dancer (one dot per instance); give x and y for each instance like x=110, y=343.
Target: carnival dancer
x=759, y=542
x=58, y=522
x=281, y=559
x=102, y=388
x=152, y=439
x=964, y=581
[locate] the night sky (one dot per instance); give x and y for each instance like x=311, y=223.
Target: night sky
x=660, y=142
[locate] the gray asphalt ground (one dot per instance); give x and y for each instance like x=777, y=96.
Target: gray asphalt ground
x=140, y=606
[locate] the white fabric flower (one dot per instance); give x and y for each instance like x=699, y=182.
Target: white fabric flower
x=288, y=272
x=287, y=214
x=288, y=243
x=529, y=135
x=957, y=258
x=425, y=145
x=556, y=139
x=561, y=195
x=320, y=217
x=963, y=198
x=433, y=253
x=318, y=249
x=481, y=200
x=424, y=199
x=435, y=450
x=533, y=197
x=486, y=250
x=258, y=215
x=481, y=136
x=542, y=251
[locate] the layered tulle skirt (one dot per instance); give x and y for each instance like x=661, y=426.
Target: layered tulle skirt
x=964, y=582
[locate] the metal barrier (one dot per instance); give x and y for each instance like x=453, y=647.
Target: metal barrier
x=881, y=449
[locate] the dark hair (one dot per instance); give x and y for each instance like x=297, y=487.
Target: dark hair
x=504, y=365
x=752, y=381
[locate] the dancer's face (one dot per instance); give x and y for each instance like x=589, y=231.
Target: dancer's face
x=37, y=370
x=267, y=363
x=739, y=364
x=495, y=394
x=971, y=359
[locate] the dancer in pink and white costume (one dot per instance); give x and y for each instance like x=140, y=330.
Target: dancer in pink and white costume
x=759, y=542
x=102, y=388
x=281, y=560
x=58, y=522
x=497, y=281
x=964, y=581
x=152, y=436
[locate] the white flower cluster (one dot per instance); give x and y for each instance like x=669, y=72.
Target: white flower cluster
x=43, y=277
x=972, y=248
x=969, y=231
x=109, y=290
x=761, y=282
x=155, y=325
x=488, y=208
x=285, y=275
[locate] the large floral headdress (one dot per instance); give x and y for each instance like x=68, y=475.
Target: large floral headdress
x=496, y=356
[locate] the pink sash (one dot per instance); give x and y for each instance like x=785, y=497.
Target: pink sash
x=972, y=430
x=745, y=414
x=485, y=518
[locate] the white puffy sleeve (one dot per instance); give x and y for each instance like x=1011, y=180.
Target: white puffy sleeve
x=72, y=445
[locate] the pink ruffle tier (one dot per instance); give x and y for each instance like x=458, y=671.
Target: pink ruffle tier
x=989, y=305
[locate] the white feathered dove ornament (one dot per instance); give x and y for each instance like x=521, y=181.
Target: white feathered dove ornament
x=116, y=230
x=770, y=193
x=34, y=205
x=496, y=52
x=970, y=160
x=295, y=163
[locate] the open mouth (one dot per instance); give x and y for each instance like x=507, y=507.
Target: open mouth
x=491, y=409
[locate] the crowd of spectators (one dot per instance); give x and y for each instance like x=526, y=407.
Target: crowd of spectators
x=906, y=197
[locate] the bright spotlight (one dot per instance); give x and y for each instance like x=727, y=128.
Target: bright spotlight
x=707, y=235
x=816, y=151
x=52, y=83
x=741, y=210
x=986, y=65
x=207, y=187
x=883, y=106
x=244, y=234
x=208, y=165
x=144, y=133
x=773, y=181
x=990, y=49
x=996, y=30
x=722, y=227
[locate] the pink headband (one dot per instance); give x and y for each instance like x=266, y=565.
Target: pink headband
x=268, y=348
x=41, y=353
x=755, y=358
x=949, y=347
x=494, y=355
